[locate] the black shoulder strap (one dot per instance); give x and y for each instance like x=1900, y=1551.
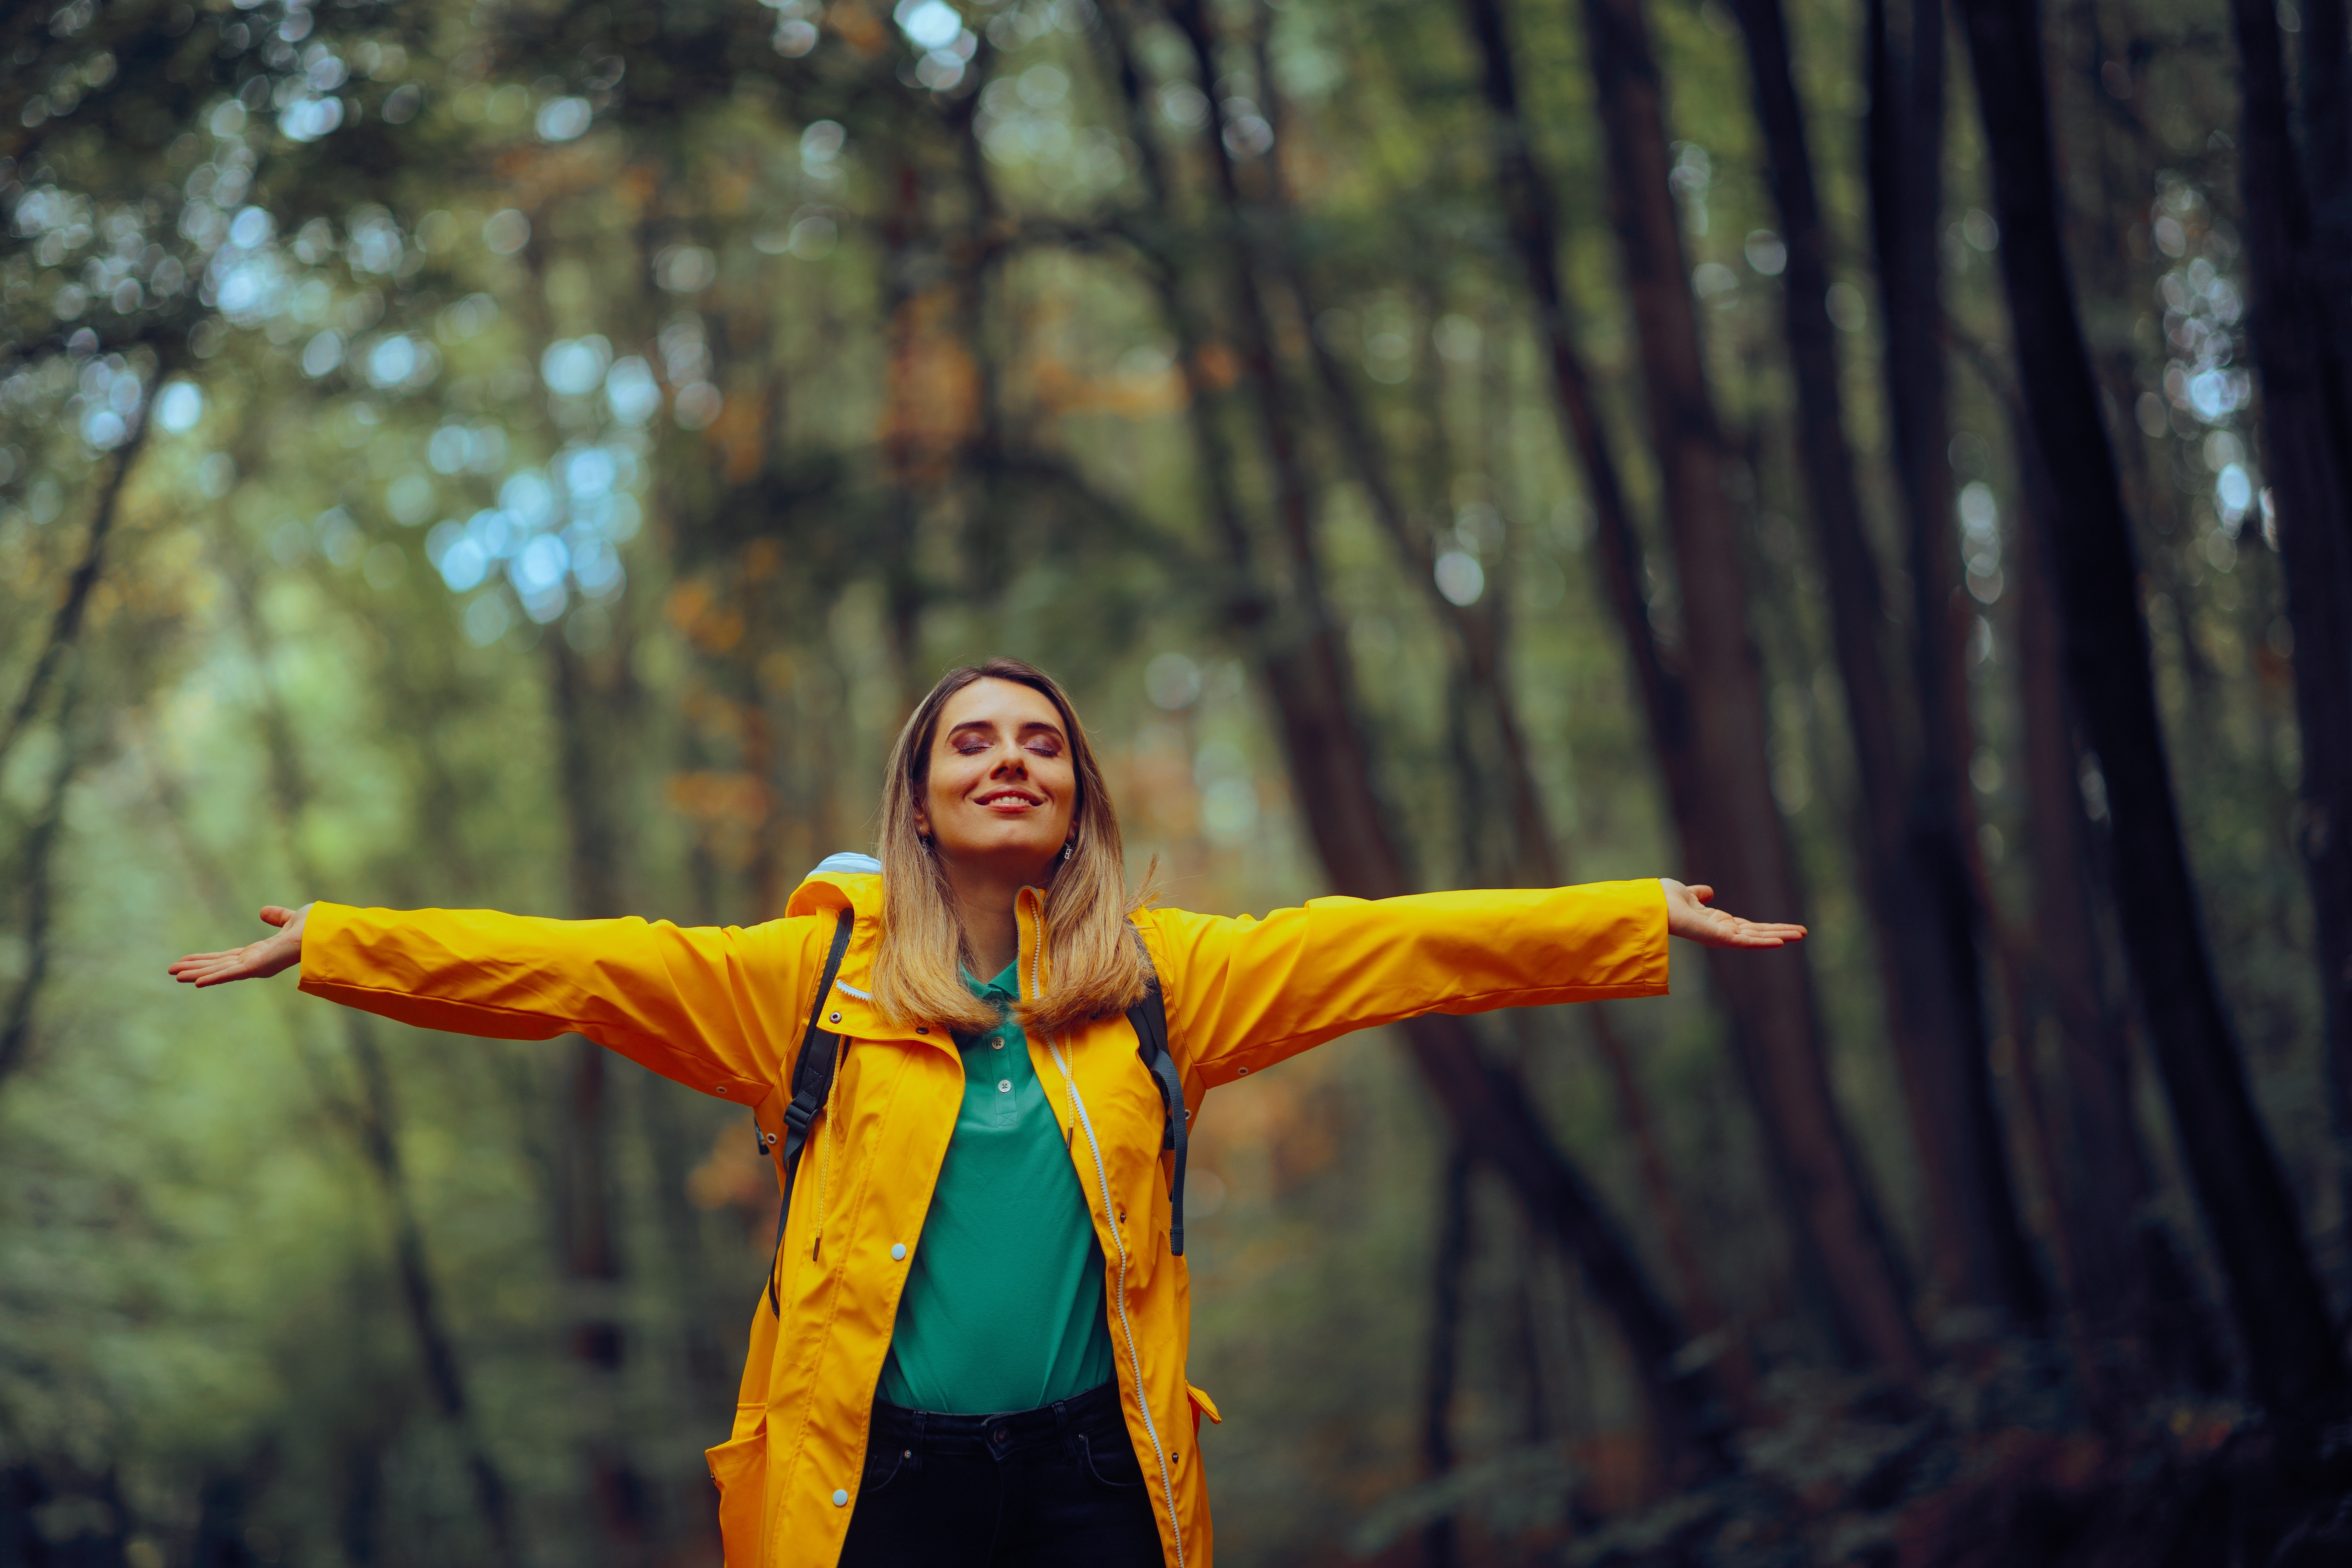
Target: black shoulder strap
x=812, y=1086
x=1149, y=1017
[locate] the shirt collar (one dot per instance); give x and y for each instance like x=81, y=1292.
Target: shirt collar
x=1006, y=988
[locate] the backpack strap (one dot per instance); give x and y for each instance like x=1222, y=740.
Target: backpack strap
x=1149, y=1018
x=812, y=1086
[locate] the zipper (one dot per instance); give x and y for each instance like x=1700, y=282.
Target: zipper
x=824, y=1151
x=1102, y=1175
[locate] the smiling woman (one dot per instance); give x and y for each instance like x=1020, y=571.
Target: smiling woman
x=973, y=1341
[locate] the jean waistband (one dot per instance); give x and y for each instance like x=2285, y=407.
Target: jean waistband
x=1094, y=1415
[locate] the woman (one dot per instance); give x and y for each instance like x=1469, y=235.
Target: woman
x=972, y=1345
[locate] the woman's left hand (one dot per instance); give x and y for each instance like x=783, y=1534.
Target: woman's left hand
x=255, y=961
x=1688, y=916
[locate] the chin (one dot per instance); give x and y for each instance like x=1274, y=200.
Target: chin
x=1015, y=838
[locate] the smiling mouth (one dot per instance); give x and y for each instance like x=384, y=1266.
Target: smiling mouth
x=1006, y=798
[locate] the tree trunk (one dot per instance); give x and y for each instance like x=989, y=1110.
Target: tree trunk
x=2328, y=138
x=1305, y=671
x=66, y=625
x=1905, y=146
x=375, y=1125
x=2309, y=436
x=373, y=1122
x=2105, y=1181
x=1483, y=682
x=1707, y=733
x=34, y=868
x=1683, y=1259
x=1447, y=1277
x=585, y=1197
x=2296, y=1370
x=1904, y=172
x=1917, y=879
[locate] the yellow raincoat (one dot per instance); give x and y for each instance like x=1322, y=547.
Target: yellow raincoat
x=722, y=1011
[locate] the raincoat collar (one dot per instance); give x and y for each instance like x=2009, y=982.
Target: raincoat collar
x=827, y=893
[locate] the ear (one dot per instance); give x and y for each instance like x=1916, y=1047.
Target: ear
x=922, y=823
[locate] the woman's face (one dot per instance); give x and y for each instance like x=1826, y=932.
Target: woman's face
x=1002, y=787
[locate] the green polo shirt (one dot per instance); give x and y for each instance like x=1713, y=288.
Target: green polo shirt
x=1003, y=1309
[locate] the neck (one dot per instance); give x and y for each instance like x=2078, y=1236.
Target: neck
x=986, y=897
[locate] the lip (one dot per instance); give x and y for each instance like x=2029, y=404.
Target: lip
x=1007, y=799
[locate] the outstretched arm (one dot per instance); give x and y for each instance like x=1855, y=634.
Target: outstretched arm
x=712, y=1008
x=273, y=954
x=1244, y=994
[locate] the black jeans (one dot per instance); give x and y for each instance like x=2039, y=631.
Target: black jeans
x=1057, y=1487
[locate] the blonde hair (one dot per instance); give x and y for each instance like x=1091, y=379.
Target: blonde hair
x=1091, y=965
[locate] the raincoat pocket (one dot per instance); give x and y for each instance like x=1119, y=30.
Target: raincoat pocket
x=739, y=1467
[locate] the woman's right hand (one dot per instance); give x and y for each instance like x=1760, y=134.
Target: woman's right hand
x=255, y=961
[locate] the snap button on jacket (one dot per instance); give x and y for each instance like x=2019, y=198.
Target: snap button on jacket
x=721, y=1009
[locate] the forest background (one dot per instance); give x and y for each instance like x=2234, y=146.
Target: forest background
x=1885, y=461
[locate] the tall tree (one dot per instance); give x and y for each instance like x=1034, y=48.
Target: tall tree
x=2327, y=135
x=1515, y=842
x=2104, y=1178
x=33, y=875
x=373, y=1118
x=73, y=607
x=1309, y=679
x=587, y=1191
x=2307, y=428
x=1449, y=1272
x=1916, y=880
x=1704, y=699
x=2296, y=1368
x=1904, y=155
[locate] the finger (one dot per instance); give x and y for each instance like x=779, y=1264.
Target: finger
x=236, y=966
x=277, y=914
x=1703, y=893
x=198, y=966
x=1767, y=936
x=1777, y=927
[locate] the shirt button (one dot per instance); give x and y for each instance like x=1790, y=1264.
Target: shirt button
x=840, y=1498
x=1004, y=1086
x=996, y=1045
x=897, y=1251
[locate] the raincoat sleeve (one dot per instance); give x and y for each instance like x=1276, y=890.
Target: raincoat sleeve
x=710, y=1006
x=1244, y=993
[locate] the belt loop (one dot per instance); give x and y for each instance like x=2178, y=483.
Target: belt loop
x=1062, y=1428
x=918, y=1455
